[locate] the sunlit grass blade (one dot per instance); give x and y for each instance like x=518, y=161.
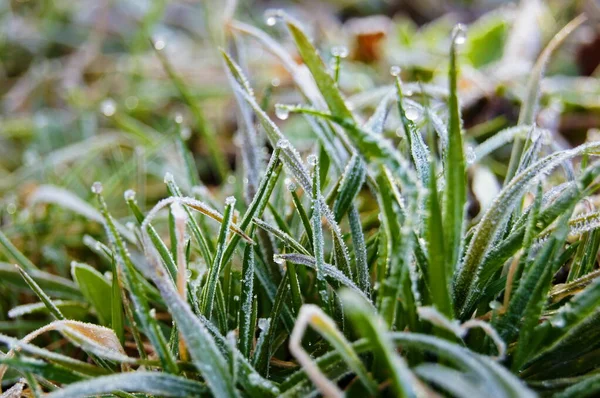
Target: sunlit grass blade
x=530, y=104
x=314, y=316
x=367, y=323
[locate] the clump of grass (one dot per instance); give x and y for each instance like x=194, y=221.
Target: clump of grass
x=355, y=270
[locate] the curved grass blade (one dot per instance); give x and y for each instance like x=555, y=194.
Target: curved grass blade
x=153, y=383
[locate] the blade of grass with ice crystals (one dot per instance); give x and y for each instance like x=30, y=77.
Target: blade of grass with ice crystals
x=350, y=185
x=197, y=231
x=206, y=130
x=486, y=229
x=53, y=284
x=152, y=383
x=328, y=269
x=162, y=249
x=200, y=343
x=41, y=369
x=418, y=149
x=284, y=237
x=289, y=155
x=246, y=328
x=526, y=305
x=312, y=315
x=450, y=380
x=208, y=295
x=15, y=253
x=259, y=202
x=368, y=324
x=136, y=290
x=530, y=103
x=455, y=198
x=319, y=242
x=302, y=213
x=40, y=293
x=588, y=387
x=398, y=227
x=264, y=351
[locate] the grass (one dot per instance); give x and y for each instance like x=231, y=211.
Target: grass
x=339, y=255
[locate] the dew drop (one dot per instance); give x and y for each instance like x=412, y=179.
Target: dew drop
x=272, y=16
x=159, y=44
x=283, y=144
x=168, y=178
x=11, y=208
x=495, y=305
x=178, y=118
x=230, y=201
x=129, y=195
x=290, y=184
x=395, y=70
x=108, y=107
x=275, y=82
x=152, y=313
x=263, y=323
x=412, y=113
x=278, y=260
x=97, y=188
x=340, y=51
x=312, y=160
x=282, y=112
x=459, y=34
x=559, y=322
x=131, y=102
x=470, y=156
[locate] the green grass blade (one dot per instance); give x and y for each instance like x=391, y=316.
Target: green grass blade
x=41, y=294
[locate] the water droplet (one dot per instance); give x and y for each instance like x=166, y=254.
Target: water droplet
x=186, y=133
x=283, y=144
x=108, y=107
x=290, y=184
x=178, y=118
x=272, y=16
x=278, y=260
x=470, y=155
x=282, y=112
x=412, y=113
x=168, y=178
x=152, y=313
x=97, y=188
x=11, y=208
x=495, y=305
x=230, y=201
x=312, y=160
x=559, y=322
x=129, y=195
x=275, y=82
x=236, y=298
x=459, y=34
x=131, y=102
x=263, y=323
x=159, y=44
x=340, y=51
x=395, y=70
